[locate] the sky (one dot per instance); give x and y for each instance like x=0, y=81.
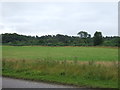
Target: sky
x=51, y=18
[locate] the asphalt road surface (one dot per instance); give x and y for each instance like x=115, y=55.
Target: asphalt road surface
x=18, y=83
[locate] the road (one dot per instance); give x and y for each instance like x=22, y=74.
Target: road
x=18, y=83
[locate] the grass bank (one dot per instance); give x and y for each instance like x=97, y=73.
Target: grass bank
x=90, y=74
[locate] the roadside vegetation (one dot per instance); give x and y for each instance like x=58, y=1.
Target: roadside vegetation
x=83, y=74
x=95, y=67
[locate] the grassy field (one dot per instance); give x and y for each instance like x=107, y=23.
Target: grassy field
x=60, y=53
x=80, y=66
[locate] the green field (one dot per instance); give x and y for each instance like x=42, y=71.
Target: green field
x=60, y=53
x=63, y=65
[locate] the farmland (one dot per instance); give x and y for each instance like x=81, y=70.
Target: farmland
x=80, y=66
x=60, y=53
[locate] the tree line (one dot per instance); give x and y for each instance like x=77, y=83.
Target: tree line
x=84, y=39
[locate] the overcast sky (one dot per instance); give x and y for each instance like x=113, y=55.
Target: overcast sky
x=66, y=18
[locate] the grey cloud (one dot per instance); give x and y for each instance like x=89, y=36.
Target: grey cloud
x=66, y=18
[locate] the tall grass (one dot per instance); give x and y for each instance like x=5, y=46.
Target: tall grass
x=90, y=73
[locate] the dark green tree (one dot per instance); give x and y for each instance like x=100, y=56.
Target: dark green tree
x=98, y=38
x=83, y=34
x=89, y=36
x=59, y=40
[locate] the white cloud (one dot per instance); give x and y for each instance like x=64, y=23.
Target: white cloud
x=7, y=29
x=65, y=18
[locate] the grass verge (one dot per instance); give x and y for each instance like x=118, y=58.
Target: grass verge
x=91, y=74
